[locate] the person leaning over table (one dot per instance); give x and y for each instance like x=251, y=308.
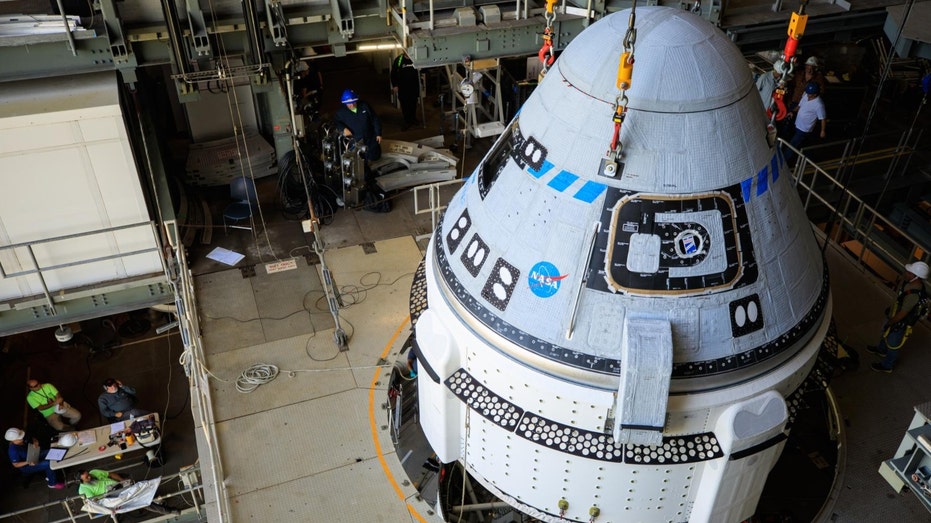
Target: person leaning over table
x=18, y=453
x=118, y=401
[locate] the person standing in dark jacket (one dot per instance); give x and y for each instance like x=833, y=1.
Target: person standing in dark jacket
x=405, y=82
x=358, y=120
x=118, y=401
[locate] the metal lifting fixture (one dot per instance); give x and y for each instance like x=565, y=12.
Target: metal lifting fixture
x=777, y=107
x=547, y=54
x=611, y=165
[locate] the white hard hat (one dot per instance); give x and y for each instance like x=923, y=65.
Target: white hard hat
x=813, y=61
x=14, y=434
x=918, y=268
x=68, y=439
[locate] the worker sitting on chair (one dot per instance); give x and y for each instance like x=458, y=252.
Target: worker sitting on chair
x=20, y=459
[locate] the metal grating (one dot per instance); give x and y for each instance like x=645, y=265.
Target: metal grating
x=418, y=299
x=557, y=436
x=488, y=404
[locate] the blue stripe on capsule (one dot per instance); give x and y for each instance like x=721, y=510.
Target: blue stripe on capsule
x=762, y=183
x=562, y=181
x=590, y=191
x=745, y=188
x=545, y=168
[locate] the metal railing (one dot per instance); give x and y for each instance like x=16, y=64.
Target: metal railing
x=188, y=484
x=40, y=271
x=434, y=203
x=198, y=374
x=868, y=236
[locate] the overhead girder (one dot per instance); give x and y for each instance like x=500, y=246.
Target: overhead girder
x=82, y=304
x=197, y=26
x=35, y=60
x=114, y=31
x=518, y=38
x=277, y=24
x=452, y=30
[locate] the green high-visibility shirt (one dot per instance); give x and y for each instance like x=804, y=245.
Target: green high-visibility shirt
x=98, y=486
x=45, y=394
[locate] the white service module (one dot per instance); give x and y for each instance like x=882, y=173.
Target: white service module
x=624, y=344
x=67, y=170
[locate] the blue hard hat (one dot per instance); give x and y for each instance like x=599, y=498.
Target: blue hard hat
x=349, y=96
x=812, y=88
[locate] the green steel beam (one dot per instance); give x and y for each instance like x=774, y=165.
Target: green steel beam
x=200, y=42
x=77, y=305
x=112, y=45
x=37, y=60
x=516, y=38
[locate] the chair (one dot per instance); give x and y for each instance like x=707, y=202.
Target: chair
x=242, y=192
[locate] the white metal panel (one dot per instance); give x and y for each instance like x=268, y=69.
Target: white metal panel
x=66, y=168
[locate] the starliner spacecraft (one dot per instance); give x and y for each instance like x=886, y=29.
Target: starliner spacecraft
x=614, y=341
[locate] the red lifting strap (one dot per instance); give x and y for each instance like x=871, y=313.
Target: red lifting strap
x=544, y=55
x=779, y=104
x=546, y=51
x=617, y=135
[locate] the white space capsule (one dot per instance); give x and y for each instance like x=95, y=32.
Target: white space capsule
x=628, y=342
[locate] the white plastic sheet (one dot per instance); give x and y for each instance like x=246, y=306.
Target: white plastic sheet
x=136, y=496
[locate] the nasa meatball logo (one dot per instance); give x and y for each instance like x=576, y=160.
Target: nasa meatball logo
x=544, y=279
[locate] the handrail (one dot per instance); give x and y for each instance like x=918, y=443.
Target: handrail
x=855, y=218
x=435, y=202
x=76, y=235
x=194, y=367
x=72, y=517
x=39, y=270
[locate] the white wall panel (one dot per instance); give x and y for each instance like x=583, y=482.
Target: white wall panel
x=66, y=167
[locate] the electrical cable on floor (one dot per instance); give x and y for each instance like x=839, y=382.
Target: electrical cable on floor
x=291, y=252
x=202, y=365
x=356, y=294
x=309, y=355
x=351, y=294
x=281, y=318
x=256, y=376
x=262, y=373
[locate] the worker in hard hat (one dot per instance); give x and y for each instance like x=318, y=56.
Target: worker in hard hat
x=809, y=112
x=358, y=120
x=30, y=462
x=308, y=87
x=810, y=73
x=911, y=304
x=766, y=83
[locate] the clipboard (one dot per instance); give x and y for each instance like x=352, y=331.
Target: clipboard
x=33, y=453
x=56, y=454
